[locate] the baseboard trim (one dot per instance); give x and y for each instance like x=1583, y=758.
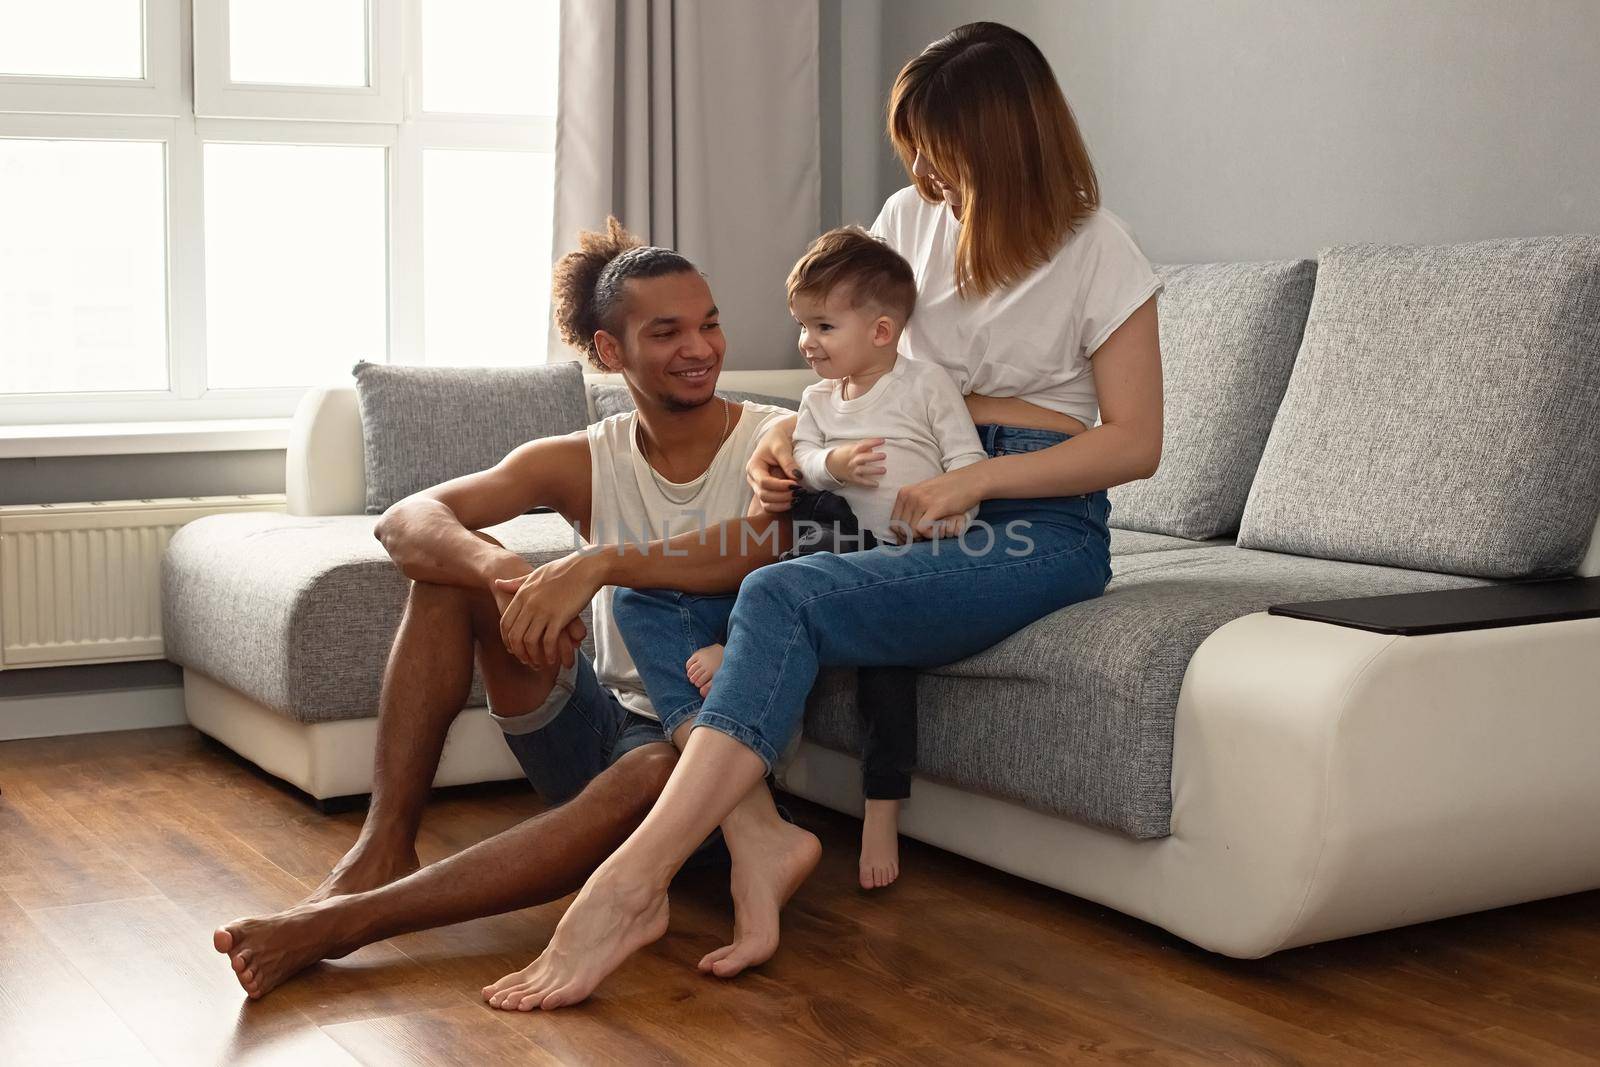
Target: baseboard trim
x=105, y=711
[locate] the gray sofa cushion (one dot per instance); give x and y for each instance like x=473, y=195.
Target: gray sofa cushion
x=1443, y=411
x=468, y=418
x=1133, y=542
x=1229, y=333
x=1074, y=714
x=610, y=399
x=298, y=613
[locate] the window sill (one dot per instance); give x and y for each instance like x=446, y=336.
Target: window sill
x=144, y=438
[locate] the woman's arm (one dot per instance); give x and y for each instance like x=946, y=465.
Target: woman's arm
x=1125, y=447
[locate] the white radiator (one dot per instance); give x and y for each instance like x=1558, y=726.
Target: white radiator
x=81, y=583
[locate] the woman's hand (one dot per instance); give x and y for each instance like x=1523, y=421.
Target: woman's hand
x=772, y=471
x=938, y=507
x=539, y=617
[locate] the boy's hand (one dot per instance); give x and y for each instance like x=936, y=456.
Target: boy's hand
x=858, y=464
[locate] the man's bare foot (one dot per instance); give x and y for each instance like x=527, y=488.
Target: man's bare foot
x=703, y=666
x=270, y=948
x=767, y=869
x=608, y=922
x=365, y=867
x=880, y=844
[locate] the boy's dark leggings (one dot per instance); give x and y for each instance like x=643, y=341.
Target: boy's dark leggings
x=886, y=697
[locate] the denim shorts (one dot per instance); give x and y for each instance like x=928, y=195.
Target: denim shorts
x=579, y=731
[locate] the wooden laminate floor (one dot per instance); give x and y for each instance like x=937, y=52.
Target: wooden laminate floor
x=120, y=852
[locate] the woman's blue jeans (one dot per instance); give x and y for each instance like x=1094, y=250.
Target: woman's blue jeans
x=919, y=605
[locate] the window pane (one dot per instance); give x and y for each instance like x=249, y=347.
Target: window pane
x=491, y=57
x=486, y=256
x=72, y=38
x=298, y=42
x=295, y=262
x=83, y=291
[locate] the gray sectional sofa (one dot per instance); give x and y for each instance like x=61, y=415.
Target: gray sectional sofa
x=1383, y=420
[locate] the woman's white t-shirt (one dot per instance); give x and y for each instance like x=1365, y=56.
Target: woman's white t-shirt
x=1034, y=338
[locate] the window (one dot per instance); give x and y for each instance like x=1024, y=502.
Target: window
x=337, y=180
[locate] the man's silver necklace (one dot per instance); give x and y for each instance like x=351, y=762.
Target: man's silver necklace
x=661, y=486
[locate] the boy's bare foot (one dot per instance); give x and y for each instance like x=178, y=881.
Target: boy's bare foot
x=270, y=948
x=767, y=869
x=703, y=666
x=880, y=844
x=612, y=918
x=366, y=866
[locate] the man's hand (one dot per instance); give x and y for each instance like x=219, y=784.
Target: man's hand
x=539, y=614
x=858, y=464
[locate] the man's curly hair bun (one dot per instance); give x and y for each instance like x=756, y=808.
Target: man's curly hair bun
x=587, y=285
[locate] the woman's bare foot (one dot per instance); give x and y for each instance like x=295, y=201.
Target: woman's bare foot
x=880, y=844
x=767, y=869
x=703, y=666
x=270, y=948
x=365, y=867
x=610, y=920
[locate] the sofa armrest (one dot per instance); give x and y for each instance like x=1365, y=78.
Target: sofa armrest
x=1366, y=781
x=325, y=469
x=1443, y=611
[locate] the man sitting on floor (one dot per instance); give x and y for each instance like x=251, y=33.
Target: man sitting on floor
x=584, y=732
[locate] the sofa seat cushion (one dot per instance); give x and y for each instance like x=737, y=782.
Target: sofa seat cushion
x=1443, y=411
x=297, y=612
x=1134, y=542
x=1074, y=715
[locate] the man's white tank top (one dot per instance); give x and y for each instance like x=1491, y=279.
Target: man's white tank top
x=632, y=504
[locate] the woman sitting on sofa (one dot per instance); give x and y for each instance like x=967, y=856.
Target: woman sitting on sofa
x=1042, y=306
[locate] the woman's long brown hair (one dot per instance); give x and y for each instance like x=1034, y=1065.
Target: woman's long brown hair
x=983, y=107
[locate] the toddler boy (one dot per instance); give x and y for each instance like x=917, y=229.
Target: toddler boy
x=875, y=423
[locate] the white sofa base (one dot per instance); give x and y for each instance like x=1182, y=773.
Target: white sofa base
x=1327, y=782
x=334, y=759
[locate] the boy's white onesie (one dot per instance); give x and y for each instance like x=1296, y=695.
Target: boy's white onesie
x=916, y=408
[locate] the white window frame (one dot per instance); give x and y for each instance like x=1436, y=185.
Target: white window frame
x=162, y=90
x=217, y=95
x=184, y=134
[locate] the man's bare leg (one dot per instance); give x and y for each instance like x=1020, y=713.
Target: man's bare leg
x=534, y=862
x=425, y=685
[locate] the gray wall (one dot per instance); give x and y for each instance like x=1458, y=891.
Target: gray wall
x=1245, y=129
x=69, y=479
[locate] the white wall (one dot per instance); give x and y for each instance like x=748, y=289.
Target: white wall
x=1248, y=129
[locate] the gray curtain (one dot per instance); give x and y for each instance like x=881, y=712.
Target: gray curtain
x=696, y=122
